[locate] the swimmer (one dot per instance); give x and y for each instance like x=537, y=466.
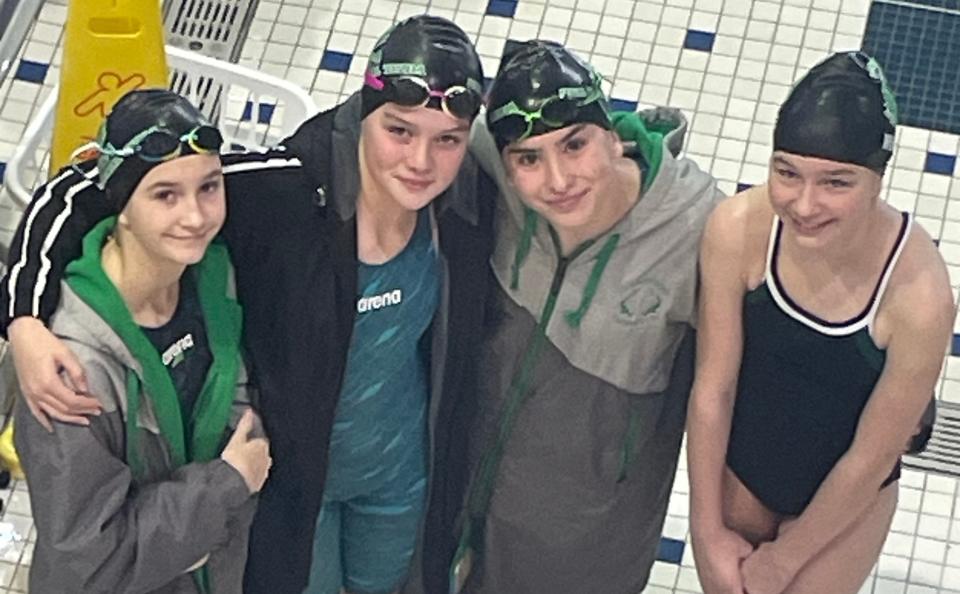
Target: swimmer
x=587, y=350
x=824, y=315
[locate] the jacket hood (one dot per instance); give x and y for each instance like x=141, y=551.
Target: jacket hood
x=654, y=137
x=196, y=439
x=76, y=320
x=626, y=295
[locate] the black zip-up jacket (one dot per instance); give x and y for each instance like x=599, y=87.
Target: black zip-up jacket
x=291, y=230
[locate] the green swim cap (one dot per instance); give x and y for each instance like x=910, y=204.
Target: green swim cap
x=542, y=87
x=841, y=110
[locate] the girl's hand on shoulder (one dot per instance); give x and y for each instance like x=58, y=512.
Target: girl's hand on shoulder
x=43, y=362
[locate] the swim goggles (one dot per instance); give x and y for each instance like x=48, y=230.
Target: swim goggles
x=513, y=123
x=154, y=145
x=459, y=101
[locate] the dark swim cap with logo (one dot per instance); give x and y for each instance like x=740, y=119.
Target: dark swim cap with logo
x=424, y=49
x=542, y=87
x=841, y=110
x=170, y=117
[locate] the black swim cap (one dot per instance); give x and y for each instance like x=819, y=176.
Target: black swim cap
x=426, y=49
x=542, y=87
x=842, y=110
x=135, y=113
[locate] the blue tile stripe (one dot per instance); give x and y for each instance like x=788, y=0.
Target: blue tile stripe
x=955, y=346
x=504, y=8
x=336, y=61
x=671, y=550
x=264, y=116
x=743, y=186
x=699, y=40
x=3, y=170
x=940, y=163
x=623, y=105
x=31, y=71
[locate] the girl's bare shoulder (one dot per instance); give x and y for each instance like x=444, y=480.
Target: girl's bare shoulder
x=919, y=292
x=740, y=226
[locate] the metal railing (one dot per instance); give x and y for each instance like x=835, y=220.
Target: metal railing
x=16, y=16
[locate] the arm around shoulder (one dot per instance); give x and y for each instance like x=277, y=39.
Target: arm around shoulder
x=266, y=191
x=100, y=531
x=49, y=236
x=39, y=357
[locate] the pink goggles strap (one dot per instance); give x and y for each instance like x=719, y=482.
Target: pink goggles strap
x=377, y=84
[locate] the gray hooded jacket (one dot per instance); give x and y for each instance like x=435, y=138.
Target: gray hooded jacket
x=582, y=488
x=99, y=530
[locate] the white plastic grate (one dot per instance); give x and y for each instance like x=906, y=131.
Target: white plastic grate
x=942, y=455
x=214, y=28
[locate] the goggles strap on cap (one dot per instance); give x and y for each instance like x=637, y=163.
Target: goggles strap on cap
x=459, y=101
x=155, y=145
x=555, y=111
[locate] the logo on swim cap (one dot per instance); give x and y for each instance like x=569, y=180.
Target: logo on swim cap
x=404, y=69
x=890, y=109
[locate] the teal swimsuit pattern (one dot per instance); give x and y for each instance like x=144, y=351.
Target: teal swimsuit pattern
x=380, y=424
x=377, y=476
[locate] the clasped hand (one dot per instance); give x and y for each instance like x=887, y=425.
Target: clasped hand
x=767, y=571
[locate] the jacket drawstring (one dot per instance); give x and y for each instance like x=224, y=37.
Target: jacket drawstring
x=523, y=248
x=575, y=316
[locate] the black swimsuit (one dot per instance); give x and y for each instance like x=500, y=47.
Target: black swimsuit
x=802, y=386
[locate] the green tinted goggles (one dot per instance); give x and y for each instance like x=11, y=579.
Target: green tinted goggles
x=154, y=145
x=513, y=123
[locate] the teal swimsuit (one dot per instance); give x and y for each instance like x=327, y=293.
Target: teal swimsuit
x=376, y=483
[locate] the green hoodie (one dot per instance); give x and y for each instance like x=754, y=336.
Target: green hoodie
x=190, y=440
x=195, y=439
